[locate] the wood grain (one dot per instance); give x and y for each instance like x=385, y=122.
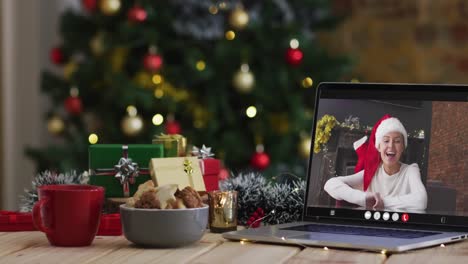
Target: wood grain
x=320, y=255
x=33, y=247
x=41, y=251
x=237, y=252
x=16, y=241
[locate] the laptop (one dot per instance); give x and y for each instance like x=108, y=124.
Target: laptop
x=436, y=121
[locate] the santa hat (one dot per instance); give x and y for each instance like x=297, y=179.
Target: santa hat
x=388, y=125
x=369, y=157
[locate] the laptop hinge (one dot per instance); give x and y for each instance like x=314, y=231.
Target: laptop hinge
x=329, y=220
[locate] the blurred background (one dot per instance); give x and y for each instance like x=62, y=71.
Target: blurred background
x=237, y=76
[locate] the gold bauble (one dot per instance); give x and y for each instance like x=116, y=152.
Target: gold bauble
x=55, y=125
x=69, y=69
x=304, y=147
x=132, y=125
x=143, y=79
x=243, y=81
x=307, y=82
x=97, y=44
x=110, y=7
x=200, y=117
x=118, y=58
x=280, y=123
x=239, y=18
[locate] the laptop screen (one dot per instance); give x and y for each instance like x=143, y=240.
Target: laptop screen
x=390, y=153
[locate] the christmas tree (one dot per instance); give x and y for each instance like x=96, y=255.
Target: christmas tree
x=237, y=76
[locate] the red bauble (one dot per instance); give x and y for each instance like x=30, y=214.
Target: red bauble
x=152, y=62
x=260, y=160
x=172, y=127
x=223, y=174
x=73, y=105
x=294, y=56
x=255, y=218
x=89, y=5
x=137, y=14
x=56, y=55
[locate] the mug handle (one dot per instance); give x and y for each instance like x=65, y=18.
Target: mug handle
x=37, y=216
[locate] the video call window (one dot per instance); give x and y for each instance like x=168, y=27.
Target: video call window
x=433, y=177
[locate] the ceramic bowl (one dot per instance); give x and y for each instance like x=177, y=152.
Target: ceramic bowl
x=163, y=227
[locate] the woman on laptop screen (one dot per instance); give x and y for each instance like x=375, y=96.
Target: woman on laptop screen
x=382, y=181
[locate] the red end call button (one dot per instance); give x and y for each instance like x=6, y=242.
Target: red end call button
x=404, y=217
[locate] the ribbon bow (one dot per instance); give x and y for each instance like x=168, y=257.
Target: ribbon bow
x=126, y=170
x=202, y=153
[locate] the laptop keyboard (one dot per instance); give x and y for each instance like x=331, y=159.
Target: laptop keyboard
x=361, y=231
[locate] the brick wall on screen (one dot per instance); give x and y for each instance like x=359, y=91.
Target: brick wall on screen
x=448, y=159
x=403, y=41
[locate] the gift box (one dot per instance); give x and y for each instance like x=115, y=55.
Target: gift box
x=210, y=169
x=114, y=166
x=184, y=171
x=110, y=225
x=16, y=221
x=174, y=145
x=112, y=204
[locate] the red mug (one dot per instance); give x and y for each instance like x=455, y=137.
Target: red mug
x=69, y=213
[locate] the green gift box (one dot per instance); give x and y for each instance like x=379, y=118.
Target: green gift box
x=104, y=157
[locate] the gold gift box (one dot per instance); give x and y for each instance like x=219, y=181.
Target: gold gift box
x=174, y=145
x=184, y=171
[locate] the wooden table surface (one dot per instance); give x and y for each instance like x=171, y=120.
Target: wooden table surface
x=33, y=247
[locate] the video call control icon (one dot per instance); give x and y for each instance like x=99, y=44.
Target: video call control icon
x=377, y=215
x=395, y=217
x=404, y=217
x=367, y=215
x=386, y=216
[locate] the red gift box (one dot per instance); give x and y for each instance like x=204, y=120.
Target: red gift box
x=210, y=169
x=110, y=225
x=16, y=221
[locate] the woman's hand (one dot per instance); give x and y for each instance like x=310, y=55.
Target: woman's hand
x=374, y=201
x=379, y=204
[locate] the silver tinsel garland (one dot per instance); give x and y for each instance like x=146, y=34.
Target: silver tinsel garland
x=281, y=202
x=30, y=197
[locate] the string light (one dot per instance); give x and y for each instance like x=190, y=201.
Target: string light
x=251, y=111
x=74, y=91
x=198, y=123
x=383, y=252
x=213, y=10
x=222, y=5
x=294, y=43
x=230, y=35
x=131, y=110
x=157, y=79
x=325, y=248
x=200, y=65
x=158, y=93
x=93, y=138
x=442, y=245
x=157, y=119
x=244, y=67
